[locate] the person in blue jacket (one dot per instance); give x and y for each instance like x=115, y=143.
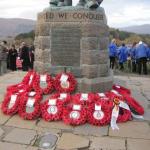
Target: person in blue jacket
x=133, y=57
x=112, y=53
x=149, y=51
x=142, y=55
x=122, y=56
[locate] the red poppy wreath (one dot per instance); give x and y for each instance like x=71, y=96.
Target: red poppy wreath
x=99, y=114
x=52, y=110
x=26, y=83
x=11, y=103
x=29, y=107
x=43, y=83
x=121, y=89
x=134, y=105
x=65, y=83
x=75, y=114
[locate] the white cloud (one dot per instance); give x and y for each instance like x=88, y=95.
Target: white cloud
x=127, y=12
x=119, y=12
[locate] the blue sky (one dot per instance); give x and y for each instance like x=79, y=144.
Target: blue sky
x=120, y=13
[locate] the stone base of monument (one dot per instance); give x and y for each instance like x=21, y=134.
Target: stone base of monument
x=74, y=41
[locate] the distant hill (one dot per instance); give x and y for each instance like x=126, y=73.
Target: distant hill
x=141, y=29
x=13, y=27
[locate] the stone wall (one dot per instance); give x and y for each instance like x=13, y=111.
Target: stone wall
x=75, y=41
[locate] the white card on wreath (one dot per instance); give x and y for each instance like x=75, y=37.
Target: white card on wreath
x=76, y=107
x=84, y=96
x=30, y=102
x=32, y=94
x=52, y=102
x=63, y=95
x=117, y=86
x=98, y=107
x=101, y=94
x=20, y=85
x=63, y=78
x=43, y=78
x=20, y=91
x=31, y=77
x=13, y=99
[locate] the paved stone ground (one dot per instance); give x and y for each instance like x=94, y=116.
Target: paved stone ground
x=17, y=134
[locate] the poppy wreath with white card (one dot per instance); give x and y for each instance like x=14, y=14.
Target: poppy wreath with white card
x=104, y=97
x=11, y=103
x=99, y=114
x=63, y=98
x=121, y=89
x=52, y=110
x=84, y=98
x=43, y=83
x=75, y=114
x=26, y=83
x=29, y=77
x=65, y=83
x=29, y=107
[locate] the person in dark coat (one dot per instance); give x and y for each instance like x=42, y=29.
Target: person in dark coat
x=142, y=55
x=12, y=58
x=25, y=57
x=31, y=56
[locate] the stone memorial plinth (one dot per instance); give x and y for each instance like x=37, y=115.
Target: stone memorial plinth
x=74, y=40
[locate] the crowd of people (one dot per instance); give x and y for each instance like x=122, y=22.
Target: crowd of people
x=136, y=56
x=13, y=58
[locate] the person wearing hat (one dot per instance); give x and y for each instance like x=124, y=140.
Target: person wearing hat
x=112, y=53
x=142, y=55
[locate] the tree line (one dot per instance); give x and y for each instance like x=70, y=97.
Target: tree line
x=121, y=36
